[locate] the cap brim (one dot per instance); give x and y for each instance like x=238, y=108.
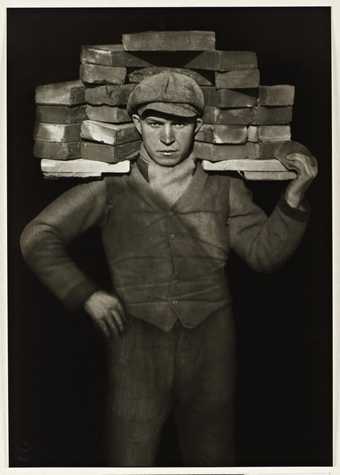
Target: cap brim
x=181, y=110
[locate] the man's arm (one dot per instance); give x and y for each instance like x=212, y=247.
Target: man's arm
x=44, y=244
x=266, y=242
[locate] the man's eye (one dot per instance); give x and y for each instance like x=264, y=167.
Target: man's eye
x=154, y=124
x=179, y=125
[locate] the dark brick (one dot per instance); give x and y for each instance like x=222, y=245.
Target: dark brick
x=110, y=134
x=109, y=153
x=227, y=98
x=60, y=114
x=279, y=95
x=57, y=132
x=111, y=114
x=223, y=60
x=112, y=55
x=272, y=115
x=109, y=95
x=214, y=115
x=214, y=153
x=220, y=134
x=97, y=74
x=248, y=78
x=56, y=150
x=169, y=41
x=68, y=93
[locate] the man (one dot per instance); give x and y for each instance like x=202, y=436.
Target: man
x=167, y=230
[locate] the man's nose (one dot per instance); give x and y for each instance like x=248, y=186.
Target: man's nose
x=167, y=134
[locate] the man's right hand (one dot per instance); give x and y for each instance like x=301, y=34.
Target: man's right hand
x=107, y=312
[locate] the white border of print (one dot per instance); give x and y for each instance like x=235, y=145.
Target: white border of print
x=4, y=469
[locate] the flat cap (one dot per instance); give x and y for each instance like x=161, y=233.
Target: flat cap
x=167, y=92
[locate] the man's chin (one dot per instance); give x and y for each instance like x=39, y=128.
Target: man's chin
x=169, y=161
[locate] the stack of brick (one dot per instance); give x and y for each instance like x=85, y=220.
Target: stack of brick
x=61, y=124
x=59, y=114
x=244, y=122
x=248, y=125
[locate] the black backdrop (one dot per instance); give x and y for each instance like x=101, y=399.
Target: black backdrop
x=56, y=383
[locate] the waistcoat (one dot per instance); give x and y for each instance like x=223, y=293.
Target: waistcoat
x=168, y=262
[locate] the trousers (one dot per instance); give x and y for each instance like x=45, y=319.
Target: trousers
x=189, y=371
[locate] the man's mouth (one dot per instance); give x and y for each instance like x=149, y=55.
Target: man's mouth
x=168, y=152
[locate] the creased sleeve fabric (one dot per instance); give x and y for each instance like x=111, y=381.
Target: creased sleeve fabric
x=264, y=242
x=45, y=239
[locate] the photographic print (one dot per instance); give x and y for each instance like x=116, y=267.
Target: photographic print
x=169, y=195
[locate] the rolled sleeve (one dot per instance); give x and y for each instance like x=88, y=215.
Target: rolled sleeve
x=300, y=214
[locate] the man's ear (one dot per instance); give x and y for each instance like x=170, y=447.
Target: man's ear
x=137, y=121
x=199, y=123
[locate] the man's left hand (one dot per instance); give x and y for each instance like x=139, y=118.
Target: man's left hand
x=306, y=168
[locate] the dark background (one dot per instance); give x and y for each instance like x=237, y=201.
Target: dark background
x=56, y=384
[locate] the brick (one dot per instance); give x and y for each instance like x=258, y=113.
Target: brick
x=97, y=74
x=272, y=115
x=109, y=95
x=227, y=98
x=269, y=133
x=245, y=165
x=214, y=153
x=112, y=55
x=110, y=134
x=80, y=168
x=279, y=95
x=274, y=133
x=253, y=135
x=248, y=78
x=57, y=132
x=140, y=74
x=60, y=114
x=223, y=60
x=213, y=60
x=214, y=115
x=108, y=153
x=269, y=176
x=56, y=150
x=169, y=41
x=68, y=93
x=220, y=134
x=268, y=149
x=265, y=150
x=111, y=114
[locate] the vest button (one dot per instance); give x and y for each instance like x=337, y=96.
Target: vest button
x=172, y=236
x=175, y=302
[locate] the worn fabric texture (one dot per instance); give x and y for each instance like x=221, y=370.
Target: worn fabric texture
x=167, y=262
x=168, y=266
x=188, y=371
x=168, y=92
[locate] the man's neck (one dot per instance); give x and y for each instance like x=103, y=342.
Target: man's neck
x=168, y=182
x=144, y=161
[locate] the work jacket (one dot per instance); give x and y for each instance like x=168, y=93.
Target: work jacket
x=166, y=262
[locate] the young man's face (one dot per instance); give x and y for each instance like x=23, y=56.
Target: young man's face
x=168, y=139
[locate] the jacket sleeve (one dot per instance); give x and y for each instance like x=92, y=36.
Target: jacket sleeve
x=44, y=241
x=264, y=242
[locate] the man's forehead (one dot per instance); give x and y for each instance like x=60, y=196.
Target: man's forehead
x=166, y=117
